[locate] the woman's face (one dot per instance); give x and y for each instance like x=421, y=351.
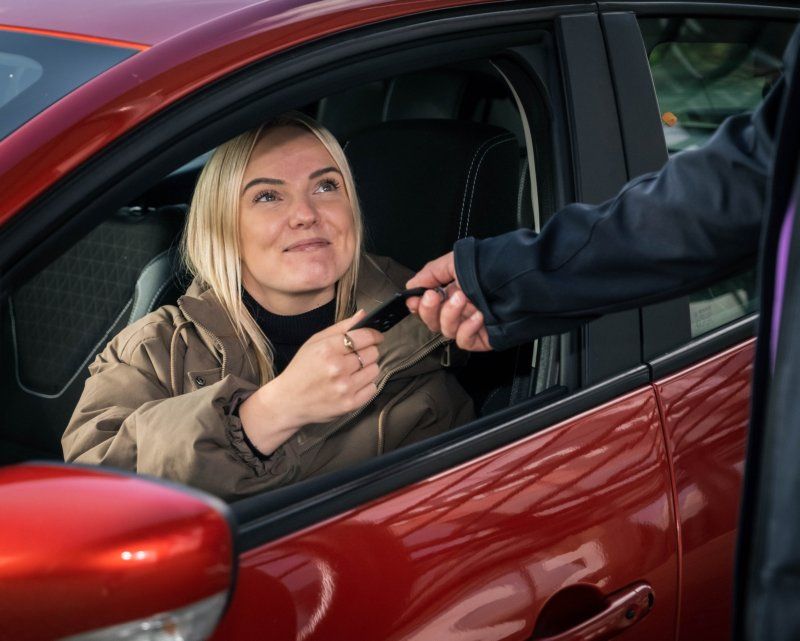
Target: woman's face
x=295, y=222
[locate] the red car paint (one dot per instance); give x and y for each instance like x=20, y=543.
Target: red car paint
x=475, y=553
x=706, y=410
x=79, y=562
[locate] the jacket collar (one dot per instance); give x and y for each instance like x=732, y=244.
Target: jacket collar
x=408, y=337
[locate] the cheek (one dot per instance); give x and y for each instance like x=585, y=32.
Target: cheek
x=343, y=221
x=256, y=236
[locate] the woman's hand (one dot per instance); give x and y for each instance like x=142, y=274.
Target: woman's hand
x=326, y=379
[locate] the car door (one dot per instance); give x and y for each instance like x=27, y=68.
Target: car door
x=543, y=519
x=552, y=516
x=706, y=65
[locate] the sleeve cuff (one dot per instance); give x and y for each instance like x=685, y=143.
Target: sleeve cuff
x=465, y=252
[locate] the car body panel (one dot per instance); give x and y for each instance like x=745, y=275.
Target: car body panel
x=124, y=20
x=706, y=409
x=77, y=37
x=474, y=553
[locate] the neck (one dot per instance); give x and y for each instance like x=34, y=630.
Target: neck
x=288, y=304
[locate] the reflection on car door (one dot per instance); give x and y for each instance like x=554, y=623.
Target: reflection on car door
x=706, y=409
x=582, y=510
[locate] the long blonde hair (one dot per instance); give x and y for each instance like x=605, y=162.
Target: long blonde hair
x=210, y=243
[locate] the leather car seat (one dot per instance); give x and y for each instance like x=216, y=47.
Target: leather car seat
x=423, y=184
x=55, y=324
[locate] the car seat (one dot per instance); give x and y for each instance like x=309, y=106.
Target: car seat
x=423, y=184
x=57, y=322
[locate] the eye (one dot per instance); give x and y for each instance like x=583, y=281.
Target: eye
x=266, y=196
x=327, y=184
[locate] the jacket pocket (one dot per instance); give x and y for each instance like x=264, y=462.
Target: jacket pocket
x=198, y=379
x=409, y=419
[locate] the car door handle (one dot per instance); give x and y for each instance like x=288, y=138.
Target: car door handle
x=621, y=610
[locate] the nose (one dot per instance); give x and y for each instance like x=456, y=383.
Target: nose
x=304, y=214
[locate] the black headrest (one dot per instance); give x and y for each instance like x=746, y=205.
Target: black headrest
x=425, y=94
x=423, y=184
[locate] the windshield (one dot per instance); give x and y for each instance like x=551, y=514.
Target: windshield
x=37, y=70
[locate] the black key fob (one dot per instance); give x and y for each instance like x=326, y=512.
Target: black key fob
x=388, y=314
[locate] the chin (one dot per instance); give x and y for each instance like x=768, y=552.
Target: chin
x=317, y=276
x=313, y=286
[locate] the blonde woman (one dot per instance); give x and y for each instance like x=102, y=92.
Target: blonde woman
x=255, y=380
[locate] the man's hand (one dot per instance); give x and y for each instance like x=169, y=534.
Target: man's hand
x=454, y=315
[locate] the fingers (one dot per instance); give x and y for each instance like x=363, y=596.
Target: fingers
x=451, y=313
x=361, y=387
x=363, y=358
x=471, y=334
x=364, y=377
x=342, y=326
x=430, y=309
x=358, y=338
x=369, y=355
x=441, y=271
x=361, y=339
x=364, y=395
x=414, y=302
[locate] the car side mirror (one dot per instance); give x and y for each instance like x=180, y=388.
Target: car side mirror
x=88, y=554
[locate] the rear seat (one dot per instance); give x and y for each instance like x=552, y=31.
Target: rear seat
x=55, y=324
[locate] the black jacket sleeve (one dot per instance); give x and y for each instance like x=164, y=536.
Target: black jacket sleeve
x=665, y=233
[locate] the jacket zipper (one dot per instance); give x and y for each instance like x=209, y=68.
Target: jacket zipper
x=435, y=344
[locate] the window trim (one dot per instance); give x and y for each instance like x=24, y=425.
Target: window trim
x=704, y=346
x=747, y=9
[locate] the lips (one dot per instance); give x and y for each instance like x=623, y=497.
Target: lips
x=308, y=244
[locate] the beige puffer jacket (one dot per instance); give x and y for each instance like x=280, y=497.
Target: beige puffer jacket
x=160, y=398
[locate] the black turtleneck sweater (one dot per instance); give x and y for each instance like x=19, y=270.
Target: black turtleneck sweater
x=288, y=333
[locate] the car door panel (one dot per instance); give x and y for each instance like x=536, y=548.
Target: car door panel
x=477, y=551
x=706, y=411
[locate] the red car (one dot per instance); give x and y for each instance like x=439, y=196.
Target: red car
x=595, y=496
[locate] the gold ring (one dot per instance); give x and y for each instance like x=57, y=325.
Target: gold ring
x=349, y=344
x=360, y=362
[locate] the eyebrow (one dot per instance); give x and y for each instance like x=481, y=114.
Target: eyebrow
x=276, y=181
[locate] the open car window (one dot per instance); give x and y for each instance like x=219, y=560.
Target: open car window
x=461, y=121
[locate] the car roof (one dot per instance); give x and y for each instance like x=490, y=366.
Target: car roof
x=144, y=22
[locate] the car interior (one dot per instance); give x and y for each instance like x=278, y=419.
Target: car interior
x=438, y=154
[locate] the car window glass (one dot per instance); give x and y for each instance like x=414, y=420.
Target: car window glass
x=36, y=70
x=17, y=73
x=705, y=70
x=722, y=303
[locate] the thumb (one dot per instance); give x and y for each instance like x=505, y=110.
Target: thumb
x=441, y=271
